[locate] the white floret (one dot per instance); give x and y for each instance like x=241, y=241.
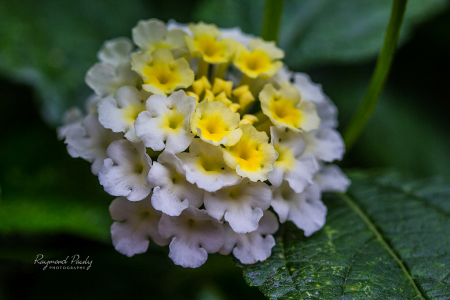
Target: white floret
x=205, y=166
x=172, y=193
x=89, y=140
x=116, y=52
x=124, y=172
x=306, y=210
x=194, y=234
x=255, y=246
x=165, y=122
x=330, y=178
x=120, y=113
x=153, y=34
x=136, y=222
x=241, y=205
x=114, y=69
x=72, y=118
x=293, y=164
x=325, y=144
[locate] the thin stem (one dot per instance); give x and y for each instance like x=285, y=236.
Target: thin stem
x=202, y=69
x=272, y=19
x=220, y=70
x=370, y=100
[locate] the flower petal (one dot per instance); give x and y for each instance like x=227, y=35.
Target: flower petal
x=124, y=172
x=135, y=223
x=194, y=235
x=242, y=205
x=172, y=192
x=252, y=247
x=305, y=209
x=90, y=141
x=330, y=178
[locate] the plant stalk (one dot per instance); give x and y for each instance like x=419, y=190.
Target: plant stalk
x=272, y=19
x=370, y=100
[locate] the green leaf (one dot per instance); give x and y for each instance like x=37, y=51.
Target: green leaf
x=317, y=32
x=387, y=238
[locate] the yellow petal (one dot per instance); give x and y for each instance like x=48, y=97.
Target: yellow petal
x=252, y=156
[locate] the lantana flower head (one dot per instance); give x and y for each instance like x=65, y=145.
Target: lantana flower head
x=207, y=140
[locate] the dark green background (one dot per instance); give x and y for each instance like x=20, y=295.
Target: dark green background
x=52, y=204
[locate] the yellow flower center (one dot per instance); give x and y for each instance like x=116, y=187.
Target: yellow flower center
x=255, y=62
x=163, y=76
x=284, y=111
x=286, y=159
x=172, y=121
x=211, y=164
x=213, y=128
x=131, y=112
x=211, y=49
x=161, y=45
x=248, y=155
x=235, y=193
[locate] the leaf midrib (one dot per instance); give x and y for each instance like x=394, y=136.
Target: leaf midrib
x=352, y=204
x=288, y=271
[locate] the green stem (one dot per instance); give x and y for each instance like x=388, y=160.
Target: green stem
x=202, y=69
x=272, y=19
x=370, y=100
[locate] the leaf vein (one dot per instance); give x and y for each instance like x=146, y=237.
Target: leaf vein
x=357, y=253
x=411, y=194
x=352, y=204
x=287, y=268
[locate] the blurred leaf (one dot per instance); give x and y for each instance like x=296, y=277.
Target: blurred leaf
x=45, y=191
x=402, y=132
x=51, y=44
x=317, y=32
x=386, y=236
x=151, y=275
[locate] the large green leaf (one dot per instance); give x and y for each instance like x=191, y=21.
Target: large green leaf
x=316, y=32
x=387, y=238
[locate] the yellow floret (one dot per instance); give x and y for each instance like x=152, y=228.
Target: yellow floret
x=221, y=85
x=192, y=94
x=248, y=119
x=285, y=108
x=262, y=59
x=207, y=44
x=244, y=96
x=200, y=85
x=220, y=91
x=215, y=123
x=162, y=74
x=252, y=156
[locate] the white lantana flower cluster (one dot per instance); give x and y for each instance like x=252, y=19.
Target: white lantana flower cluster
x=201, y=133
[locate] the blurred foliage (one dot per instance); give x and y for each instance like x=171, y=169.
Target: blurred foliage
x=113, y=276
x=43, y=189
x=318, y=32
x=50, y=44
x=51, y=203
x=52, y=49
